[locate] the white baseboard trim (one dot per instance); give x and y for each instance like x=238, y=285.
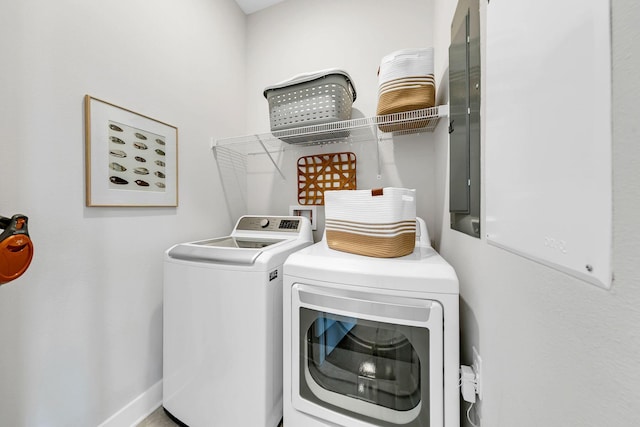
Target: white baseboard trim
x=138, y=409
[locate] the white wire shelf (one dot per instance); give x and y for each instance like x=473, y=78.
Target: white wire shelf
x=360, y=129
x=232, y=154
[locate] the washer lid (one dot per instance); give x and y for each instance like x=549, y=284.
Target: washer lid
x=227, y=250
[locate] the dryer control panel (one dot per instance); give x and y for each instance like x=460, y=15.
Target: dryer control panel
x=268, y=223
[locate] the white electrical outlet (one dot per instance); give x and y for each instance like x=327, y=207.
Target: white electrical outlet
x=477, y=369
x=468, y=384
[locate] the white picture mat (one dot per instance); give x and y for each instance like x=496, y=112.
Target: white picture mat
x=100, y=193
x=548, y=134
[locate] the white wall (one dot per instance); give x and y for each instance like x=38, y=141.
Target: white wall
x=81, y=331
x=557, y=351
x=300, y=36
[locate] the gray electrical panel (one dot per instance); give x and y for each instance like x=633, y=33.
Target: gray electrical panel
x=464, y=119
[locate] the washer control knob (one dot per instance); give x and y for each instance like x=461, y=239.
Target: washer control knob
x=264, y=223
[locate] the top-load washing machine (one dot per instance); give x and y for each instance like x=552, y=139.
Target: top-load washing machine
x=370, y=341
x=223, y=324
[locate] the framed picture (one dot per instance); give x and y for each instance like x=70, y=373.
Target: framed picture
x=131, y=159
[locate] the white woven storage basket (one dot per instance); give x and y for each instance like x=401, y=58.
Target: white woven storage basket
x=378, y=223
x=310, y=99
x=406, y=63
x=405, y=83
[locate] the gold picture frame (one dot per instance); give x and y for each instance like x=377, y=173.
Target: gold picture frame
x=130, y=159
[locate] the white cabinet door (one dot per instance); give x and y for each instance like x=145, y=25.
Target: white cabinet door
x=548, y=133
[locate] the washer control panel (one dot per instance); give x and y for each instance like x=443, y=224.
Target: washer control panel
x=268, y=223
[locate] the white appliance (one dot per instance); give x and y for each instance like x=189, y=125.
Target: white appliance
x=223, y=324
x=370, y=341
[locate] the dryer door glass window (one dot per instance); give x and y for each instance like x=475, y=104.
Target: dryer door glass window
x=364, y=367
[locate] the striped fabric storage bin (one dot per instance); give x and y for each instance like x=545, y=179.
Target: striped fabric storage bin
x=406, y=82
x=378, y=223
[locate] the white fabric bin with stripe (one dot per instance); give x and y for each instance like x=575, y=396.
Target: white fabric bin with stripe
x=378, y=223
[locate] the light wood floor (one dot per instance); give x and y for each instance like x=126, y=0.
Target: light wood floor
x=159, y=419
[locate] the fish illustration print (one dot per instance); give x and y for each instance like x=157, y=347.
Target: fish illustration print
x=117, y=167
x=118, y=180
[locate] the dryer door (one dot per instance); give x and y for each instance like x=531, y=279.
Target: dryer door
x=364, y=359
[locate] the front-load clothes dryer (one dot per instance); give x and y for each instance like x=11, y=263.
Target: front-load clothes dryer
x=370, y=341
x=223, y=324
